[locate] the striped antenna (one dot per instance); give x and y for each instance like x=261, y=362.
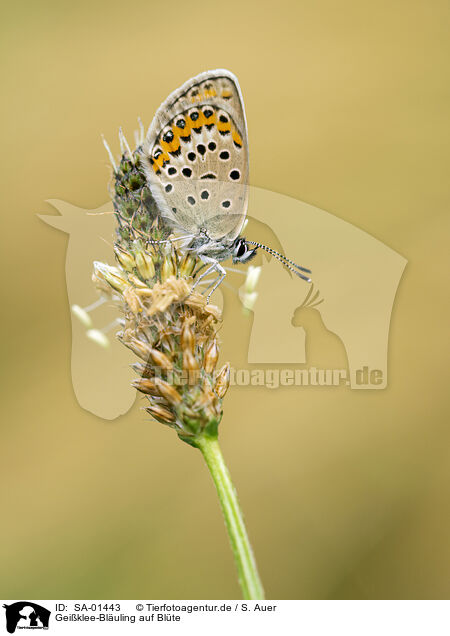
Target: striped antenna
x=293, y=267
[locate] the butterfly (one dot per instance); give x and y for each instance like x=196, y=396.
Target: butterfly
x=196, y=161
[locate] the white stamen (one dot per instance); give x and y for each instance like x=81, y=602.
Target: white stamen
x=111, y=325
x=96, y=304
x=82, y=315
x=98, y=337
x=249, y=300
x=251, y=281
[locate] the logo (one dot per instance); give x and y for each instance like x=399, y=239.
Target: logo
x=26, y=615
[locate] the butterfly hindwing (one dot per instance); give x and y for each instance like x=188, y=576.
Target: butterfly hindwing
x=196, y=156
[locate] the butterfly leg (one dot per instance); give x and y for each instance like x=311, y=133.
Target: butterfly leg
x=221, y=275
x=215, y=266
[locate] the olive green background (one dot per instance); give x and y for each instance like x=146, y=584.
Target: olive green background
x=346, y=493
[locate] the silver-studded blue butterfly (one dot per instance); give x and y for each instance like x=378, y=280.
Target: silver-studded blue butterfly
x=197, y=164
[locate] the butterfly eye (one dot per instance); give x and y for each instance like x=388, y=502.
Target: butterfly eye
x=191, y=156
x=168, y=137
x=224, y=119
x=181, y=123
x=241, y=249
x=157, y=153
x=226, y=204
x=201, y=149
x=187, y=172
x=208, y=113
x=224, y=155
x=235, y=174
x=212, y=146
x=194, y=115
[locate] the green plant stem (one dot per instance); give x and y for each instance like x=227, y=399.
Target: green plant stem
x=245, y=561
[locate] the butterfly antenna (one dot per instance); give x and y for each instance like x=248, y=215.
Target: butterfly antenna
x=293, y=267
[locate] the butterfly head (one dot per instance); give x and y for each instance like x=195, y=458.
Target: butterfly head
x=241, y=252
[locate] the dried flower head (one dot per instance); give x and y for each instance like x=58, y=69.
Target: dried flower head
x=167, y=325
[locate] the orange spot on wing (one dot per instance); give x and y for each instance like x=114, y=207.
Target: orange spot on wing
x=198, y=123
x=223, y=126
x=173, y=145
x=210, y=120
x=236, y=137
x=158, y=163
x=182, y=132
x=201, y=121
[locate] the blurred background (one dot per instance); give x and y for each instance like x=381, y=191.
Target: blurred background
x=345, y=493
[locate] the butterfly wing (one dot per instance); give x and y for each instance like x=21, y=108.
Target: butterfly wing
x=196, y=156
